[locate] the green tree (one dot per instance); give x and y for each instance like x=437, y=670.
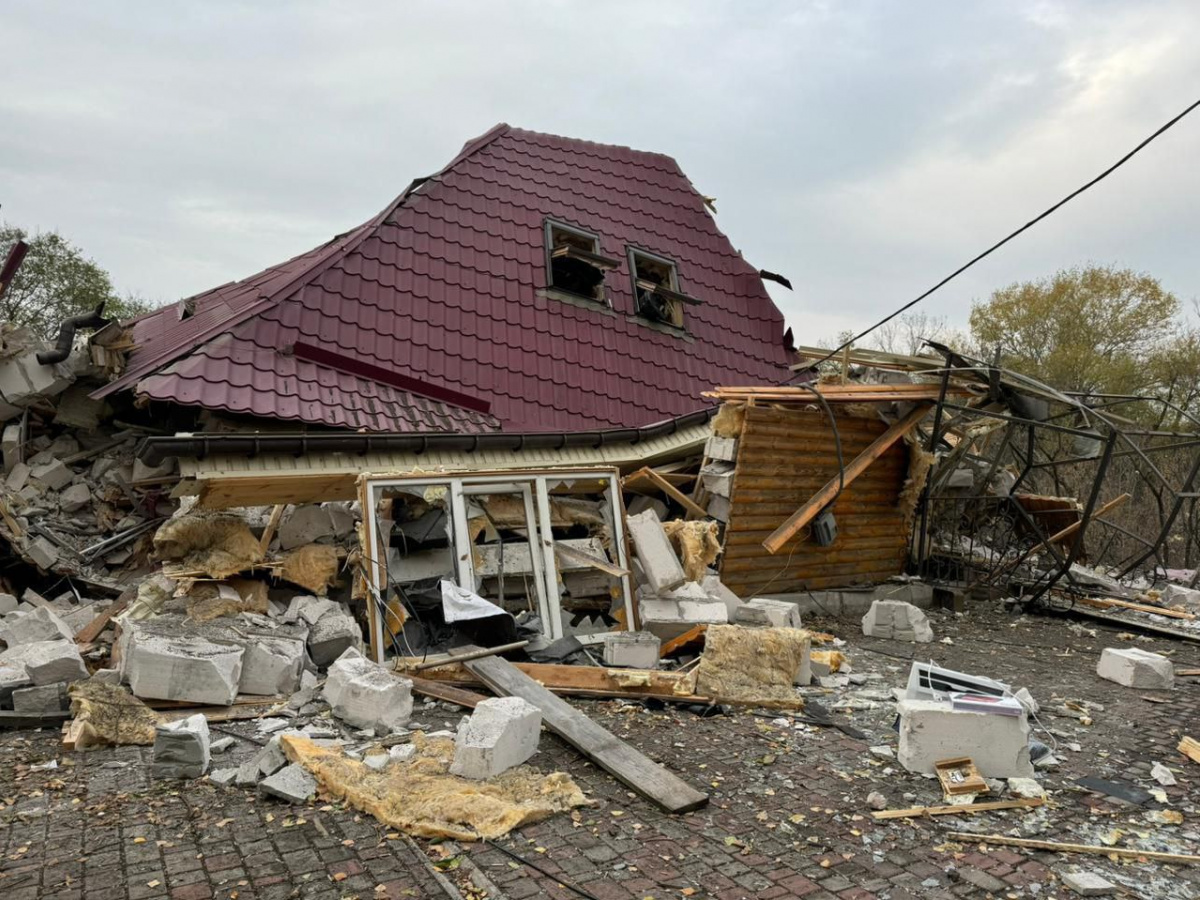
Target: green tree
x=1096, y=329
x=57, y=281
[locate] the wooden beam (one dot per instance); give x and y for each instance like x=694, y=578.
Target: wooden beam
x=806, y=513
x=1060, y=536
x=92, y=629
x=272, y=525
x=446, y=692
x=1055, y=847
x=669, y=489
x=916, y=811
x=475, y=653
x=1109, y=602
x=691, y=636
x=1190, y=747
x=603, y=748
x=579, y=558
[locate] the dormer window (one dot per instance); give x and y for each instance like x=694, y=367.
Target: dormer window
x=574, y=263
x=656, y=288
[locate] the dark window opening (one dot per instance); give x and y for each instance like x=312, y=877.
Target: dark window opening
x=656, y=287
x=574, y=261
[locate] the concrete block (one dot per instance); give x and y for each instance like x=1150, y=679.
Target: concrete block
x=74, y=498
x=366, y=695
x=1177, y=595
x=930, y=731
x=302, y=525
x=46, y=662
x=517, y=560
x=181, y=748
x=45, y=698
x=1088, y=884
x=54, y=475
x=343, y=518
x=23, y=381
x=12, y=448
x=716, y=590
x=188, y=667
x=292, y=783
x=43, y=554
x=247, y=772
x=1136, y=668
x=223, y=776
x=768, y=613
x=639, y=504
x=12, y=677
x=501, y=733
x=107, y=676
x=670, y=618
x=721, y=448
x=76, y=409
x=220, y=745
x=654, y=551
x=272, y=666
x=717, y=478
x=8, y=603
x=332, y=635
x=271, y=758
x=898, y=621
x=309, y=609
x=18, y=475
x=142, y=472
x=719, y=508
x=37, y=624
x=631, y=649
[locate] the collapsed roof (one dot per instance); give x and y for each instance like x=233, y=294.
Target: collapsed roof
x=436, y=314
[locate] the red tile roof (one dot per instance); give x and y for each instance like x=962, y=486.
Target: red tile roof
x=433, y=315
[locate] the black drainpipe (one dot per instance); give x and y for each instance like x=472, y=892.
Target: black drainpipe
x=66, y=334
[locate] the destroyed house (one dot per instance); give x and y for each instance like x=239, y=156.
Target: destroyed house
x=536, y=283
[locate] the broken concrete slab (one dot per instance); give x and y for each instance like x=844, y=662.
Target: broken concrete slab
x=18, y=475
x=13, y=448
x=272, y=666
x=631, y=649
x=292, y=783
x=768, y=614
x=1026, y=789
x=24, y=381
x=186, y=667
x=37, y=624
x=54, y=475
x=332, y=635
x=181, y=748
x=501, y=733
x=716, y=590
x=46, y=662
x=1136, y=668
x=143, y=473
x=302, y=525
x=659, y=562
x=44, y=698
x=223, y=776
x=930, y=730
x=638, y=505
x=12, y=677
x=721, y=448
x=1177, y=595
x=897, y=620
x=74, y=498
x=366, y=695
x=309, y=609
x=8, y=603
x=717, y=478
x=41, y=553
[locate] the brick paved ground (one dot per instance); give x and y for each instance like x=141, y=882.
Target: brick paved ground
x=788, y=816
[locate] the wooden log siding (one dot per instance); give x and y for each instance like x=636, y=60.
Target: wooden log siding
x=784, y=457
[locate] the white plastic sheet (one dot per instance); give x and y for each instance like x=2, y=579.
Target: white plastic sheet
x=460, y=604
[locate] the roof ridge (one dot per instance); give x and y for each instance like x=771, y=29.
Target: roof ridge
x=320, y=263
x=581, y=141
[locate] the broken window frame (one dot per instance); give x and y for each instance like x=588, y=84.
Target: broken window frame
x=593, y=258
x=670, y=292
x=535, y=486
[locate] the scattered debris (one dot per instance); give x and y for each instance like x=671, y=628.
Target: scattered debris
x=1136, y=668
x=501, y=733
x=181, y=748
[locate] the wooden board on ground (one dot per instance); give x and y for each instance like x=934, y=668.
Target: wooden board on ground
x=916, y=811
x=603, y=748
x=70, y=733
x=1055, y=847
x=447, y=692
x=92, y=629
x=10, y=719
x=1190, y=747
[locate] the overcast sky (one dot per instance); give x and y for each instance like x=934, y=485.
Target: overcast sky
x=862, y=149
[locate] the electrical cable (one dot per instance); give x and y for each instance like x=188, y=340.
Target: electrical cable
x=996, y=246
x=837, y=443
x=558, y=879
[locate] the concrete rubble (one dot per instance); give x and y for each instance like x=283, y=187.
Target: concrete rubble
x=1136, y=668
x=764, y=613
x=501, y=733
x=47, y=662
x=187, y=667
x=292, y=783
x=181, y=749
x=631, y=649
x=896, y=620
x=930, y=730
x=364, y=694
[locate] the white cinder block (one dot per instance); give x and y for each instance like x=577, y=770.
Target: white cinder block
x=38, y=624
x=768, y=613
x=670, y=618
x=931, y=730
x=1177, y=595
x=1136, y=668
x=721, y=448
x=897, y=621
x=631, y=649
x=272, y=666
x=654, y=551
x=366, y=695
x=716, y=590
x=181, y=749
x=501, y=733
x=46, y=662
x=183, y=668
x=334, y=634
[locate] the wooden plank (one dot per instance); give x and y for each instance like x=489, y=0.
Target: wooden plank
x=92, y=629
x=916, y=811
x=1109, y=602
x=446, y=692
x=579, y=558
x=691, y=636
x=272, y=525
x=475, y=653
x=1055, y=847
x=649, y=779
x=1060, y=536
x=860, y=464
x=615, y=682
x=1187, y=673
x=13, y=526
x=10, y=719
x=70, y=733
x=669, y=489
x=1190, y=747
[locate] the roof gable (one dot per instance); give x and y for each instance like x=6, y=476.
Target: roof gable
x=447, y=288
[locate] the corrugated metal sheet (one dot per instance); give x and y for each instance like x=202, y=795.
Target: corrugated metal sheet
x=786, y=456
x=224, y=481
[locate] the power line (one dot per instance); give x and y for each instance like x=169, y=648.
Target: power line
x=992, y=249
